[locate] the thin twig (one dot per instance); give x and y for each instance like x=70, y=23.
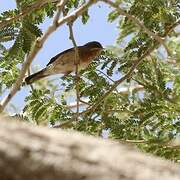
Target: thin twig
x=73, y=15
x=66, y=123
x=122, y=92
x=84, y=102
x=171, y=28
x=39, y=43
x=166, y=144
x=74, y=105
x=63, y=124
x=139, y=24
x=29, y=73
x=105, y=75
x=76, y=63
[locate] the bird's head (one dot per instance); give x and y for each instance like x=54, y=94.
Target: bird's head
x=94, y=45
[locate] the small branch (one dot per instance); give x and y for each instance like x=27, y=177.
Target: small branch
x=76, y=63
x=135, y=89
x=84, y=102
x=67, y=123
x=165, y=144
x=77, y=12
x=139, y=24
x=105, y=75
x=64, y=124
x=171, y=28
x=35, y=6
x=29, y=73
x=74, y=105
x=124, y=91
x=136, y=141
x=39, y=43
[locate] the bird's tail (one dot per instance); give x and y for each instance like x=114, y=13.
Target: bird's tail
x=34, y=77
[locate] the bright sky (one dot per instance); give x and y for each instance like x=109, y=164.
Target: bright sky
x=97, y=29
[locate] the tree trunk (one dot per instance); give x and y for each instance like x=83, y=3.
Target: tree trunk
x=38, y=153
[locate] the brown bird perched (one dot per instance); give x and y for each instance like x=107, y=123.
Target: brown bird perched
x=63, y=63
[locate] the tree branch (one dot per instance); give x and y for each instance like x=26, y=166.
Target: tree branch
x=39, y=43
x=76, y=13
x=105, y=75
x=118, y=82
x=29, y=73
x=130, y=72
x=37, y=46
x=164, y=144
x=42, y=153
x=139, y=24
x=76, y=63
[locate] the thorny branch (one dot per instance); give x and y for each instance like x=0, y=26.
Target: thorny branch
x=139, y=24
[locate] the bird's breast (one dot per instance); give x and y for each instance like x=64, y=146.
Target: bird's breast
x=87, y=56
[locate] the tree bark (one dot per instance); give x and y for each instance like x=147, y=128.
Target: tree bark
x=38, y=153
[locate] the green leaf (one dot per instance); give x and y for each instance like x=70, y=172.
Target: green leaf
x=85, y=17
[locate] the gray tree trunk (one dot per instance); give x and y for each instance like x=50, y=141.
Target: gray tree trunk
x=37, y=153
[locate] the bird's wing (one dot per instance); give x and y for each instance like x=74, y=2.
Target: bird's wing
x=57, y=57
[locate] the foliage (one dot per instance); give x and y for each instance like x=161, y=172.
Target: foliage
x=148, y=111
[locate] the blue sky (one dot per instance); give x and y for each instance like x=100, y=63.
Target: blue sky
x=97, y=29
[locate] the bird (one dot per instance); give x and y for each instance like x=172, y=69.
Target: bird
x=64, y=62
